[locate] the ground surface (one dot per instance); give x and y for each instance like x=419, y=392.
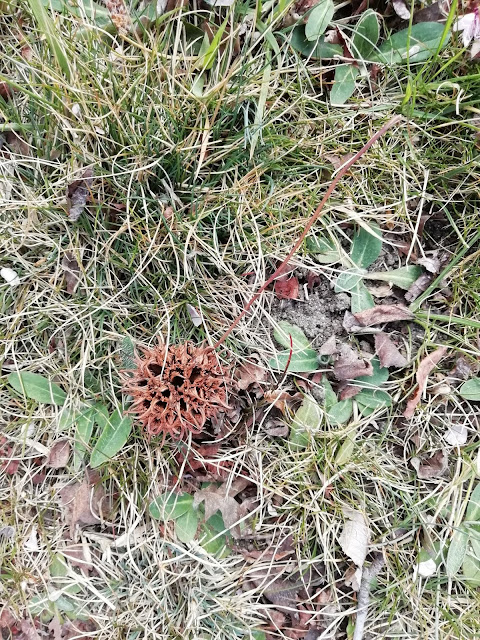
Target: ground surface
x=190, y=188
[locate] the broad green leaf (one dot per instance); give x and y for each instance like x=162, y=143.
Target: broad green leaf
x=112, y=439
x=366, y=247
x=58, y=567
x=324, y=249
x=470, y=390
x=282, y=332
x=414, y=44
x=319, y=19
x=330, y=395
x=456, y=551
x=474, y=532
x=365, y=35
x=52, y=35
x=84, y=421
x=36, y=387
x=170, y=506
x=348, y=279
x=302, y=361
x=361, y=298
x=258, y=635
x=211, y=541
x=343, y=83
x=186, y=526
x=374, y=398
x=346, y=450
x=341, y=412
x=316, y=50
x=66, y=419
x=472, y=513
x=403, y=277
x=307, y=420
x=471, y=570
x=379, y=376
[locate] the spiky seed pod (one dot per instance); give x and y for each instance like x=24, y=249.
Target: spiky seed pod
x=175, y=390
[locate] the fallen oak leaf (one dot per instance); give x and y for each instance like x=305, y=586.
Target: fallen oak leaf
x=222, y=498
x=426, y=365
x=387, y=352
x=383, y=313
x=349, y=365
x=431, y=467
x=59, y=454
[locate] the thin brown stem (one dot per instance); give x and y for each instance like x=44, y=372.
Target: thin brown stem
x=309, y=224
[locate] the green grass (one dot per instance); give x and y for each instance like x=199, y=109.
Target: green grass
x=242, y=167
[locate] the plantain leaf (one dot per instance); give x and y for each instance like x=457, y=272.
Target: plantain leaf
x=36, y=387
x=112, y=439
x=302, y=361
x=403, y=277
x=282, y=332
x=170, y=506
x=319, y=19
x=470, y=390
x=344, y=83
x=366, y=246
x=456, y=551
x=186, y=526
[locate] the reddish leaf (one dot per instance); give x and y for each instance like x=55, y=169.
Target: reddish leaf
x=286, y=288
x=28, y=631
x=349, y=365
x=426, y=365
x=59, y=454
x=383, y=313
x=387, y=352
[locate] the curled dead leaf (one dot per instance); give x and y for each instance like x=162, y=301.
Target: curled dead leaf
x=383, y=313
x=286, y=288
x=59, y=454
x=431, y=467
x=355, y=537
x=72, y=270
x=349, y=365
x=82, y=502
x=222, y=498
x=426, y=365
x=249, y=374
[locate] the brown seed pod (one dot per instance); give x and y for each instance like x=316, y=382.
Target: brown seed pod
x=175, y=390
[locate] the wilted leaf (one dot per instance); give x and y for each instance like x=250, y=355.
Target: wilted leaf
x=28, y=631
x=346, y=450
x=427, y=364
x=470, y=390
x=31, y=543
x=366, y=246
x=383, y=313
x=82, y=501
x=37, y=387
x=222, y=498
x=457, y=435
x=355, y=537
x=195, y=316
x=284, y=331
x=71, y=268
x=401, y=9
x=78, y=193
x=387, y=352
x=376, y=379
x=249, y=374
x=433, y=467
x=319, y=19
x=456, y=551
x=286, y=288
x=59, y=454
x=349, y=365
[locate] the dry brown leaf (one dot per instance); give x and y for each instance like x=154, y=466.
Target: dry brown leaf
x=418, y=287
x=286, y=288
x=461, y=371
x=383, y=313
x=55, y=629
x=82, y=501
x=7, y=619
x=387, y=352
x=428, y=363
x=431, y=467
x=355, y=537
x=78, y=193
x=328, y=348
x=349, y=365
x=28, y=631
x=71, y=268
x=250, y=373
x=338, y=161
x=59, y=454
x=79, y=556
x=222, y=498
x=348, y=391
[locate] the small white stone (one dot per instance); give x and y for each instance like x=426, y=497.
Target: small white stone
x=426, y=569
